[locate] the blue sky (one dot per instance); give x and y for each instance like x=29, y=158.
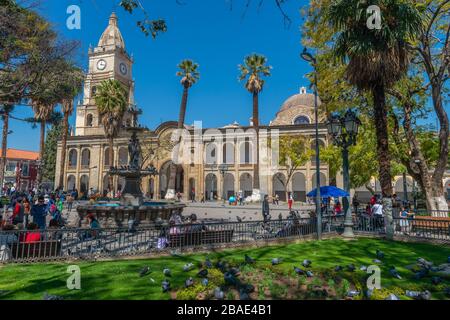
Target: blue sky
x=206, y=31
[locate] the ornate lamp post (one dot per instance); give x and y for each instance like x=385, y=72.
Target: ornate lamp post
x=310, y=59
x=223, y=168
x=343, y=130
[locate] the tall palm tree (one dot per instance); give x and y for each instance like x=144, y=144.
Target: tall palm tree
x=6, y=110
x=111, y=99
x=189, y=76
x=254, y=69
x=43, y=108
x=70, y=86
x=376, y=59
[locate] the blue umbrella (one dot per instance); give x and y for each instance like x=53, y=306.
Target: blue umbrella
x=329, y=191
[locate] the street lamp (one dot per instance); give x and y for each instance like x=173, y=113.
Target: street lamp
x=343, y=130
x=310, y=59
x=223, y=168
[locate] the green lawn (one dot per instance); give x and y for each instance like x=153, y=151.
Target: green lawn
x=121, y=280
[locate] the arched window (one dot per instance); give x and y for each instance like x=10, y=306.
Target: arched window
x=228, y=153
x=85, y=158
x=211, y=153
x=89, y=120
x=71, y=183
x=73, y=157
x=246, y=152
x=106, y=158
x=123, y=157
x=302, y=120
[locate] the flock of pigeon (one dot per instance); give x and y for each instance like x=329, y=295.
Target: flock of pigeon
x=231, y=277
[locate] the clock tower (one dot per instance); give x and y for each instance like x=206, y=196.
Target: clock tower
x=109, y=60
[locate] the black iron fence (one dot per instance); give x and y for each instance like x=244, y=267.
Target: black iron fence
x=61, y=244
x=91, y=244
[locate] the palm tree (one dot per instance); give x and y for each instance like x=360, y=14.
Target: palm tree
x=43, y=108
x=189, y=76
x=111, y=99
x=70, y=86
x=253, y=69
x=376, y=59
x=6, y=110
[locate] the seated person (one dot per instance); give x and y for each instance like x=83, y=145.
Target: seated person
x=94, y=225
x=232, y=200
x=33, y=234
x=194, y=226
x=53, y=234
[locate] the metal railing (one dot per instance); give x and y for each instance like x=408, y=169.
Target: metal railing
x=89, y=244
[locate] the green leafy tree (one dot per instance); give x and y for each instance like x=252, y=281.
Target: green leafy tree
x=253, y=70
x=294, y=152
x=51, y=146
x=111, y=101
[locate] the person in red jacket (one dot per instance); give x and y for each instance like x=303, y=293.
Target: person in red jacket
x=33, y=235
x=290, y=202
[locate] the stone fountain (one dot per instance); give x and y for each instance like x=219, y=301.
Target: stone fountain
x=132, y=205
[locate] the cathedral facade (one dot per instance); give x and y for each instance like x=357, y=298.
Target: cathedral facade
x=218, y=163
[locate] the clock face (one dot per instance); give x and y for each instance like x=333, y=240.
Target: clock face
x=123, y=68
x=101, y=64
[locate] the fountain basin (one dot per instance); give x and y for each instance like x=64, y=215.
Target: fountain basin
x=116, y=215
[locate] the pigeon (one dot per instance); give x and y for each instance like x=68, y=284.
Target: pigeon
x=205, y=282
x=426, y=295
x=189, y=282
x=167, y=272
x=447, y=291
x=188, y=266
x=52, y=297
x=306, y=263
x=392, y=297
x=208, y=263
x=394, y=273
x=234, y=271
x=420, y=274
x=338, y=268
x=230, y=279
x=165, y=285
x=249, y=260
x=202, y=273
x=352, y=293
x=412, y=294
x=448, y=259
x=363, y=268
x=221, y=266
x=309, y=274
x=248, y=288
x=218, y=294
x=238, y=219
x=144, y=271
x=351, y=267
x=380, y=254
x=369, y=293
x=299, y=271
x=436, y=280
x=424, y=263
x=243, y=295
x=276, y=261
x=377, y=261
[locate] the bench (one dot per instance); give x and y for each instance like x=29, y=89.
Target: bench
x=424, y=223
x=41, y=249
x=200, y=238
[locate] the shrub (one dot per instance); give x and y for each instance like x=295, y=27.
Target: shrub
x=381, y=294
x=191, y=292
x=215, y=277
